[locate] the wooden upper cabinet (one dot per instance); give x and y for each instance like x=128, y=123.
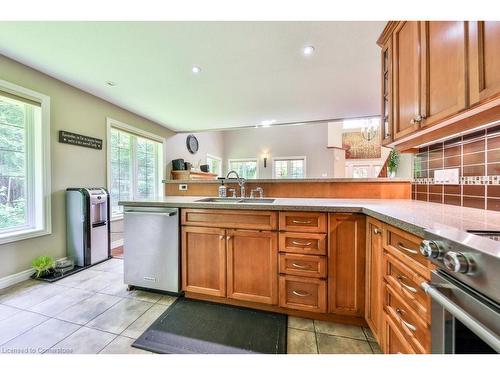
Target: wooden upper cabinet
x=406, y=40
x=484, y=60
x=252, y=266
x=443, y=62
x=374, y=305
x=386, y=120
x=204, y=261
x=346, y=280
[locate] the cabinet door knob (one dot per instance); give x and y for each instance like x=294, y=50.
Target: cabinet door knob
x=221, y=237
x=377, y=231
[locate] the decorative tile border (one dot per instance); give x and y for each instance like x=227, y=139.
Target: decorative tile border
x=464, y=180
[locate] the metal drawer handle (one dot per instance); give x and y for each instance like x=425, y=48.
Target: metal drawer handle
x=399, y=313
x=402, y=247
x=300, y=266
x=377, y=231
x=301, y=243
x=404, y=285
x=221, y=237
x=300, y=294
x=302, y=222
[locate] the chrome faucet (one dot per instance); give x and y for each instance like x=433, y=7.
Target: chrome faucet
x=241, y=182
x=258, y=190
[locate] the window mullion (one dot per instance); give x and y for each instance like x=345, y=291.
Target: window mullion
x=133, y=174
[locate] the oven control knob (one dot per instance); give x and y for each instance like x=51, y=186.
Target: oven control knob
x=456, y=262
x=430, y=249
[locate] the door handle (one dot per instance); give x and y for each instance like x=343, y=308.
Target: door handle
x=404, y=285
x=399, y=313
x=301, y=243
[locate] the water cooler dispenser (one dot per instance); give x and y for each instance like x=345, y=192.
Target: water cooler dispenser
x=87, y=228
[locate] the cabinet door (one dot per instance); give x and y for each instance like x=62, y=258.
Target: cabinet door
x=406, y=70
x=484, y=60
x=374, y=278
x=386, y=121
x=252, y=266
x=204, y=261
x=346, y=269
x=443, y=70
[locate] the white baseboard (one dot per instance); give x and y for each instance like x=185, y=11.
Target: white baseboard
x=117, y=243
x=17, y=277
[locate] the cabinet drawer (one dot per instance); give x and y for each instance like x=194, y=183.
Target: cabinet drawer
x=406, y=247
x=233, y=219
x=303, y=243
x=314, y=222
x=395, y=342
x=415, y=330
x=303, y=293
x=302, y=265
x=407, y=283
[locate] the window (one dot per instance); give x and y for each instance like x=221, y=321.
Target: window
x=214, y=164
x=246, y=168
x=135, y=165
x=24, y=163
x=289, y=167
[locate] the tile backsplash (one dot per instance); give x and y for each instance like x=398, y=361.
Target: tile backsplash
x=477, y=158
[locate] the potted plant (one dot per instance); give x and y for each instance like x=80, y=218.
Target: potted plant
x=392, y=163
x=43, y=265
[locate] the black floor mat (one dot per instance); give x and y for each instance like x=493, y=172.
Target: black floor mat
x=198, y=327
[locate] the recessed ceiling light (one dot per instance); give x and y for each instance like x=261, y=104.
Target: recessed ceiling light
x=111, y=83
x=196, y=69
x=308, y=50
x=267, y=123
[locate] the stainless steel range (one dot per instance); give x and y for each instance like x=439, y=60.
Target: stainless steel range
x=465, y=291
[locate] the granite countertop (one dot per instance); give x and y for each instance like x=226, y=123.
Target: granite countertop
x=293, y=180
x=409, y=215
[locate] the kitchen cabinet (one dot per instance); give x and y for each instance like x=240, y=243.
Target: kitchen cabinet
x=301, y=293
x=406, y=41
x=374, y=278
x=386, y=121
x=204, y=261
x=252, y=266
x=443, y=61
x=235, y=263
x=346, y=264
x=433, y=72
x=484, y=60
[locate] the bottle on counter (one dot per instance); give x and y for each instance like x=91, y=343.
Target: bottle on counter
x=222, y=190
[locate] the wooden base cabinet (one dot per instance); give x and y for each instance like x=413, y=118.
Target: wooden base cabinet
x=252, y=266
x=204, y=261
x=346, y=264
x=374, y=305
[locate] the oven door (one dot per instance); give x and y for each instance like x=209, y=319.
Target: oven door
x=463, y=322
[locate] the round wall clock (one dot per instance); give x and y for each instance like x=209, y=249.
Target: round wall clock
x=192, y=144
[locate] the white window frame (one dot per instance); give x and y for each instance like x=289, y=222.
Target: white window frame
x=288, y=158
x=112, y=123
x=38, y=173
x=219, y=172
x=244, y=159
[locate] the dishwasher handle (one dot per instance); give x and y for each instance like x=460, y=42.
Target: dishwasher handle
x=479, y=329
x=146, y=212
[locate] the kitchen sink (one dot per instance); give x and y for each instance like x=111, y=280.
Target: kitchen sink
x=237, y=200
x=256, y=200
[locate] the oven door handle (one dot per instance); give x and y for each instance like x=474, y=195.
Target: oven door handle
x=479, y=329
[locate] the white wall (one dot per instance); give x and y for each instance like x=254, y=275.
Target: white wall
x=209, y=143
x=308, y=140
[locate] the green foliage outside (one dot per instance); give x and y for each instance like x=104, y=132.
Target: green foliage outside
x=12, y=164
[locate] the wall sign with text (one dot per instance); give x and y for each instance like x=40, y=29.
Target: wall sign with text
x=79, y=140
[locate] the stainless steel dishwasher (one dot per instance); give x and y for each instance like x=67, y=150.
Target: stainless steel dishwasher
x=151, y=248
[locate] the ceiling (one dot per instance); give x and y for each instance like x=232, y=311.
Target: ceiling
x=251, y=71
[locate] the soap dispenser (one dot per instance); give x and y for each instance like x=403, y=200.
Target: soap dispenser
x=222, y=190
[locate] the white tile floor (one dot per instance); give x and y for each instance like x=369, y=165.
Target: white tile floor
x=92, y=312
